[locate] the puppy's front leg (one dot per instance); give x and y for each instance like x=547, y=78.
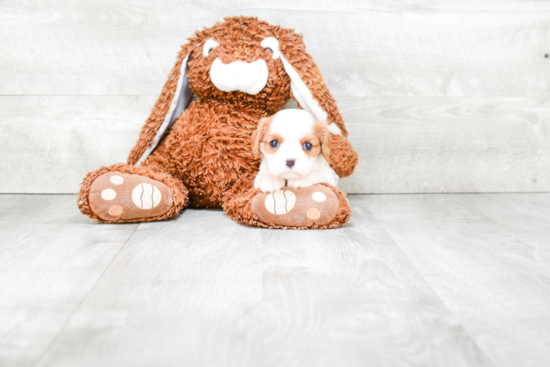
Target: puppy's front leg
x=267, y=183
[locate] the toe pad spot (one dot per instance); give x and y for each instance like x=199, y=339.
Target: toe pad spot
x=115, y=210
x=318, y=197
x=108, y=194
x=313, y=213
x=116, y=180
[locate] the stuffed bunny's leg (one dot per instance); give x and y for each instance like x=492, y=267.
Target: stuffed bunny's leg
x=122, y=193
x=318, y=207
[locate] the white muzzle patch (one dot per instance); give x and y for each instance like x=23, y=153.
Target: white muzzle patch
x=239, y=76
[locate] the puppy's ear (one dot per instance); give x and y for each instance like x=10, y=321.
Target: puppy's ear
x=325, y=138
x=258, y=135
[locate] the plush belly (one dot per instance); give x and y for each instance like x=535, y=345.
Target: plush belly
x=210, y=147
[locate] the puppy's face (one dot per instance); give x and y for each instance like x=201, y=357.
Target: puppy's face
x=290, y=142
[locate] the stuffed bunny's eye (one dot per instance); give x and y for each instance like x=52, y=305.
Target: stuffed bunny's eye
x=209, y=46
x=274, y=143
x=272, y=45
x=307, y=146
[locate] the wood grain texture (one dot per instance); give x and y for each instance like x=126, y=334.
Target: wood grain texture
x=50, y=258
x=487, y=258
x=50, y=143
x=180, y=293
x=438, y=96
x=351, y=298
x=183, y=292
x=405, y=145
x=373, y=48
x=411, y=280
x=462, y=144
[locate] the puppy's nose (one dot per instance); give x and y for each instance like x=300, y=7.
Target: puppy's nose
x=290, y=162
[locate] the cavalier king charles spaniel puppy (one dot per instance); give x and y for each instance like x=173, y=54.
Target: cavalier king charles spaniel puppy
x=295, y=149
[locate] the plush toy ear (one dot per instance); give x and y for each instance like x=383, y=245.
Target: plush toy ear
x=174, y=98
x=306, y=81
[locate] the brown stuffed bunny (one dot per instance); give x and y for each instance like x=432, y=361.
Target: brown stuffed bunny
x=200, y=153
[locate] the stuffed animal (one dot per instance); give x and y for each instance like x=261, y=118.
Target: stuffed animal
x=199, y=153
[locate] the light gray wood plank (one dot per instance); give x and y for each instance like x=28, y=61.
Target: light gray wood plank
x=50, y=258
x=493, y=279
x=390, y=6
x=184, y=292
x=50, y=143
x=463, y=144
x=526, y=217
x=411, y=280
x=405, y=145
x=351, y=298
x=418, y=48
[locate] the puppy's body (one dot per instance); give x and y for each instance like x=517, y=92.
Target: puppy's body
x=294, y=148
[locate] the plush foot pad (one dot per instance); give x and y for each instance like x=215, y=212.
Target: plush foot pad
x=310, y=207
x=121, y=196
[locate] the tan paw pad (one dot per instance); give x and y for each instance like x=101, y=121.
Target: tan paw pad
x=123, y=196
x=309, y=207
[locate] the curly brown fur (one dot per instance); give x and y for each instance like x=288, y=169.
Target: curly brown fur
x=343, y=158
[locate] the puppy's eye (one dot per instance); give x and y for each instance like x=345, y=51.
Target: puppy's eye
x=307, y=146
x=274, y=143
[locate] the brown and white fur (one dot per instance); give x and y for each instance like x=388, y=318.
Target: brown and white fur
x=295, y=150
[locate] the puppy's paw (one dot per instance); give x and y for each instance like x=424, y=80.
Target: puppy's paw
x=270, y=185
x=302, y=183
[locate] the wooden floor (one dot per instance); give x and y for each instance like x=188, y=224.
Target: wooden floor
x=412, y=280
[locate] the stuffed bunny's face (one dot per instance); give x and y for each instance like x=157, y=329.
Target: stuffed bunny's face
x=232, y=61
x=244, y=64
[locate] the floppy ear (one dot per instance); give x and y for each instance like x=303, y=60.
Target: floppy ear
x=325, y=138
x=307, y=85
x=258, y=135
x=174, y=98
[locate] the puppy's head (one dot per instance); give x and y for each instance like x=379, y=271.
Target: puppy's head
x=290, y=143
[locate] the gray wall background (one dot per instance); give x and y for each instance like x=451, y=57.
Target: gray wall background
x=438, y=95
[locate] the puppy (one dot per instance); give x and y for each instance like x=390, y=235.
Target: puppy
x=295, y=149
